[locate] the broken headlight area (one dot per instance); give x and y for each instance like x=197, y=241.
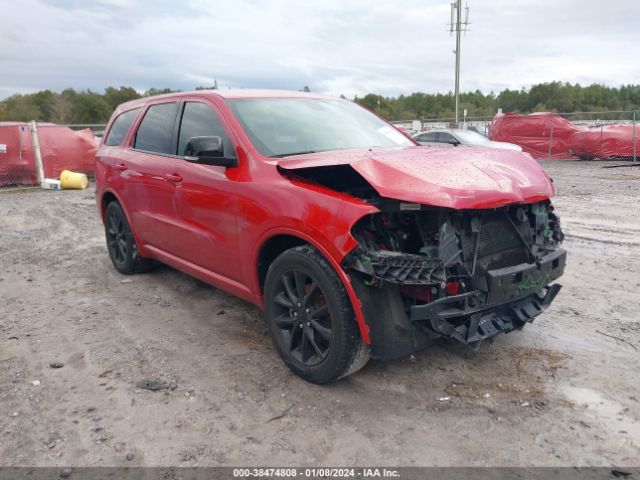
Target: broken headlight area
x=467, y=274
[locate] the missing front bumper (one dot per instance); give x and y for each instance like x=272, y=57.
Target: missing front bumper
x=470, y=328
x=514, y=297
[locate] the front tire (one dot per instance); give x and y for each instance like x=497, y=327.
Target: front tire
x=122, y=247
x=310, y=317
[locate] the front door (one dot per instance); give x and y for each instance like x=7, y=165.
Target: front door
x=205, y=200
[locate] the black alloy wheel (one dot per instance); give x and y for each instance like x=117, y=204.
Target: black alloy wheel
x=310, y=317
x=302, y=317
x=116, y=238
x=122, y=247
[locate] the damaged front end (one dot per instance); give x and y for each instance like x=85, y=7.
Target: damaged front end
x=425, y=272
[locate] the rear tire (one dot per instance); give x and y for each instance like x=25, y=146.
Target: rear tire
x=310, y=317
x=122, y=247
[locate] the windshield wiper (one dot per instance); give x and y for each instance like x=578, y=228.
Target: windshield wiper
x=282, y=155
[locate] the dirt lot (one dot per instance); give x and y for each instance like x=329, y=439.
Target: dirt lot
x=563, y=391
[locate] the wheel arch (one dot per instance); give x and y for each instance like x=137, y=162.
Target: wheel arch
x=278, y=242
x=107, y=197
x=271, y=249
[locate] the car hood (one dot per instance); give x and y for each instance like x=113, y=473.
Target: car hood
x=469, y=178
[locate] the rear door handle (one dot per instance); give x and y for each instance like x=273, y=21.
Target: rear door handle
x=173, y=177
x=121, y=166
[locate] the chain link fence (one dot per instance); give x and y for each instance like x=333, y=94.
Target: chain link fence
x=17, y=159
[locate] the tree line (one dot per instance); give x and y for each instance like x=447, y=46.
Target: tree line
x=72, y=106
x=88, y=107
x=545, y=97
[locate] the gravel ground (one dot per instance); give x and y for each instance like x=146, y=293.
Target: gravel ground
x=564, y=391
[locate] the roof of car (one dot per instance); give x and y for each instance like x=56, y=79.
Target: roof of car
x=251, y=93
x=228, y=94
x=448, y=130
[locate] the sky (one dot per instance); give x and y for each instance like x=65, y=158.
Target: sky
x=349, y=47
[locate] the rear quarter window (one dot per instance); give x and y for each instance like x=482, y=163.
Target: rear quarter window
x=120, y=127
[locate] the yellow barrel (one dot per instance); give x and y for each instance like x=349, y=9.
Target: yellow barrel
x=73, y=180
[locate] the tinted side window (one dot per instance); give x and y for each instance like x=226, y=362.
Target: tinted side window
x=199, y=120
x=155, y=132
x=444, y=137
x=120, y=127
x=428, y=137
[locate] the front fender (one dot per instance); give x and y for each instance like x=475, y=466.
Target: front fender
x=332, y=237
x=331, y=253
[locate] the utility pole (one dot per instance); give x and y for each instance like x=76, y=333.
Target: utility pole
x=458, y=26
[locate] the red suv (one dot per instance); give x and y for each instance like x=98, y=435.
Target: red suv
x=355, y=241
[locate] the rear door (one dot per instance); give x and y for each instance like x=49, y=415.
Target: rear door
x=206, y=200
x=152, y=178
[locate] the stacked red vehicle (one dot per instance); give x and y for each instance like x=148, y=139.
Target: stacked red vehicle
x=549, y=135
x=606, y=142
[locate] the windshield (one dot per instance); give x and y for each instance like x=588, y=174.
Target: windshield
x=469, y=136
x=279, y=127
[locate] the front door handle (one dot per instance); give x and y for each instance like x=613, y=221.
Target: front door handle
x=173, y=177
x=121, y=166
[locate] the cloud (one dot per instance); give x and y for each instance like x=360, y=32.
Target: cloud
x=333, y=46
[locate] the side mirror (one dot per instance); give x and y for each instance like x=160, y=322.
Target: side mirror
x=208, y=151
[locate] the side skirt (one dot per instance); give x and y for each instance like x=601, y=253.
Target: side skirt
x=207, y=276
